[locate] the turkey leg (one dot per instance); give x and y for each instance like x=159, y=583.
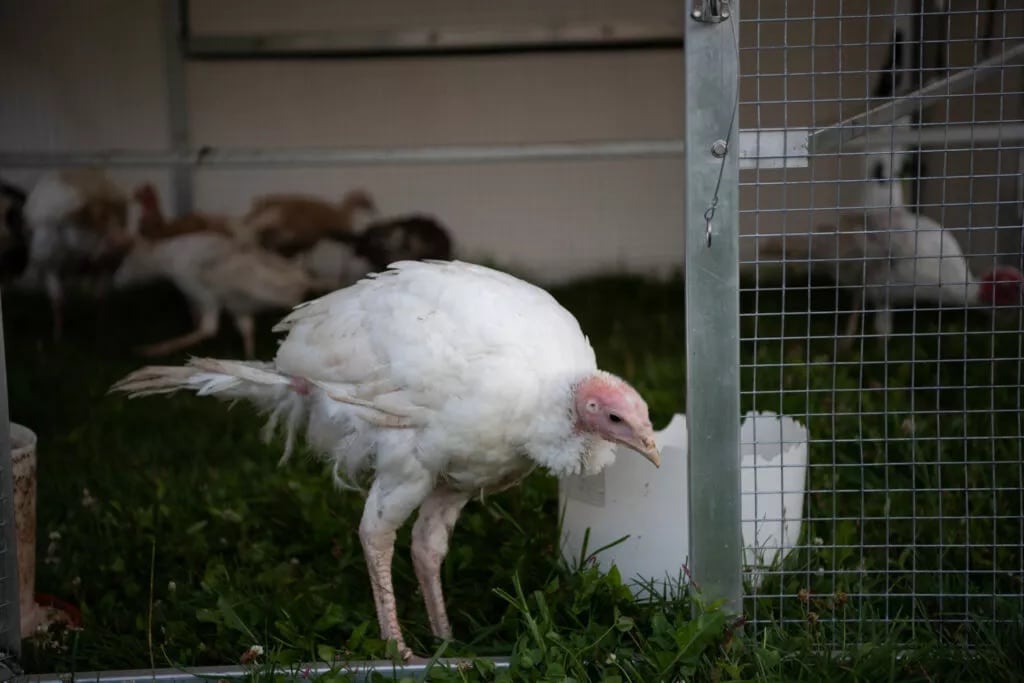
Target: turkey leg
x=430, y=536
x=852, y=322
x=245, y=326
x=388, y=505
x=208, y=324
x=55, y=292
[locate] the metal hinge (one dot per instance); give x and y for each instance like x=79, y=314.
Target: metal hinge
x=711, y=11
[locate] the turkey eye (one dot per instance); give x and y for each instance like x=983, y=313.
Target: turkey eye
x=614, y=418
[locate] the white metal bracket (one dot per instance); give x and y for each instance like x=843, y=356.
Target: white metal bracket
x=711, y=11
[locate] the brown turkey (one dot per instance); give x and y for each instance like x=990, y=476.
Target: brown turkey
x=290, y=224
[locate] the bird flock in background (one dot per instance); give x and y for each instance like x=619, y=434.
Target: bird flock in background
x=74, y=226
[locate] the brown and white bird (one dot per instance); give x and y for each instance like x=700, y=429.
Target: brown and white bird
x=432, y=383
x=215, y=273
x=77, y=222
x=290, y=224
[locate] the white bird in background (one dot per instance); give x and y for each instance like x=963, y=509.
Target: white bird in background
x=77, y=222
x=214, y=272
x=890, y=256
x=441, y=381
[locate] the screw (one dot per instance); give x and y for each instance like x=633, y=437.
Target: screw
x=719, y=148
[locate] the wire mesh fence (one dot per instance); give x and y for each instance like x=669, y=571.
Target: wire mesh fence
x=881, y=307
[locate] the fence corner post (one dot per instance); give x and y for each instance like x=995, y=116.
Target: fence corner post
x=711, y=142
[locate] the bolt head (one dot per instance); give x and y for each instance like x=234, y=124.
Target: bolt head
x=719, y=148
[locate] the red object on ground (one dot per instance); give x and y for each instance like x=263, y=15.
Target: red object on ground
x=73, y=613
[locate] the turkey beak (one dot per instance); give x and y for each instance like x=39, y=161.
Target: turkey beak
x=647, y=447
x=650, y=450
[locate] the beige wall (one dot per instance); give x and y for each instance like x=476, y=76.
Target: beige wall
x=79, y=74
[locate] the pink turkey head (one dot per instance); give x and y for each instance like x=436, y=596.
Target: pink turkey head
x=1001, y=287
x=610, y=408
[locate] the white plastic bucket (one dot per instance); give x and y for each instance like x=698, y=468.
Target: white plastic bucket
x=651, y=505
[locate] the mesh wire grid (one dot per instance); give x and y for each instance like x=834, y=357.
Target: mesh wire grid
x=913, y=508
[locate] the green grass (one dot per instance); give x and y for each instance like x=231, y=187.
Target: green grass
x=192, y=545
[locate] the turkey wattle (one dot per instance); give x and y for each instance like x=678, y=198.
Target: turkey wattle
x=436, y=381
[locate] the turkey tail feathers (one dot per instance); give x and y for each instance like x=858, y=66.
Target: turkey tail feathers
x=154, y=379
x=255, y=382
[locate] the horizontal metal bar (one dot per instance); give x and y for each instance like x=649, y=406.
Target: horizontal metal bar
x=245, y=157
x=839, y=135
x=927, y=136
x=937, y=135
x=764, y=148
x=358, y=671
x=770, y=147
x=436, y=41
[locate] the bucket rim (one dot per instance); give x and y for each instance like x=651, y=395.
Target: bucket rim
x=22, y=438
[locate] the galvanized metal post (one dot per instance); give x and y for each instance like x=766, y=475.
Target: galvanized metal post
x=175, y=23
x=712, y=298
x=10, y=616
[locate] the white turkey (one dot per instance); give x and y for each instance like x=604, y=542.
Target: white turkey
x=436, y=382
x=889, y=256
x=77, y=222
x=215, y=274
x=333, y=264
